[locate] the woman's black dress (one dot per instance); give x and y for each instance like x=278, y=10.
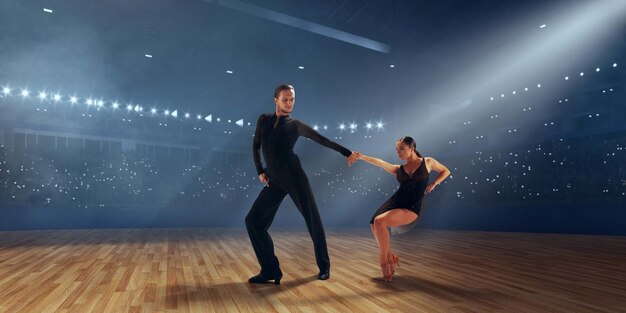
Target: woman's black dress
x=408, y=196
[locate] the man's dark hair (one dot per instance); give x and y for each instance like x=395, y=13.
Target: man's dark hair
x=281, y=88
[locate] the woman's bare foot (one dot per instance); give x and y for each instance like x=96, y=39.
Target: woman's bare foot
x=393, y=262
x=386, y=269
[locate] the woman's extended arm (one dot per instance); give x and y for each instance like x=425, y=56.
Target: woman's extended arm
x=391, y=168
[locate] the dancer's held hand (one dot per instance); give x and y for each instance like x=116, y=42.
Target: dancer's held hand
x=353, y=158
x=264, y=179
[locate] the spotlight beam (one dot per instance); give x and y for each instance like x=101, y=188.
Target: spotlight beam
x=304, y=25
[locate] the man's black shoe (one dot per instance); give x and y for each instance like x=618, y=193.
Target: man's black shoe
x=262, y=279
x=323, y=275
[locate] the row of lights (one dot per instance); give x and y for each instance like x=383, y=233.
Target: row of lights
x=581, y=74
x=352, y=126
x=523, y=109
x=530, y=108
x=99, y=103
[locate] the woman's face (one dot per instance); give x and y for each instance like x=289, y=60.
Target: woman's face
x=403, y=150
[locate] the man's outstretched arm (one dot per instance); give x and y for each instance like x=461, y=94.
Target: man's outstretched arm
x=308, y=132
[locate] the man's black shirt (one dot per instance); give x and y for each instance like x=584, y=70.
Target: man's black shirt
x=277, y=142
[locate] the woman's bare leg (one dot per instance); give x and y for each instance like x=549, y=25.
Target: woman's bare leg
x=391, y=218
x=389, y=254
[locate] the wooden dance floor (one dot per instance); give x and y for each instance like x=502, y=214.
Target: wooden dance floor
x=206, y=270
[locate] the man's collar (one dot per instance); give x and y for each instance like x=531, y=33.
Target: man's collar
x=288, y=115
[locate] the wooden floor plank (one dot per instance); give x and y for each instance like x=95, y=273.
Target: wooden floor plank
x=206, y=270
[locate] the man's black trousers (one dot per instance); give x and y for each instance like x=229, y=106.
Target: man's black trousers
x=264, y=209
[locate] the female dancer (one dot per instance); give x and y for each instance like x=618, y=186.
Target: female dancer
x=403, y=208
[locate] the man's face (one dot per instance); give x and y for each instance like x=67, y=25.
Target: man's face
x=285, y=101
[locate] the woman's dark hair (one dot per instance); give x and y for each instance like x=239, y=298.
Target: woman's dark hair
x=281, y=88
x=409, y=141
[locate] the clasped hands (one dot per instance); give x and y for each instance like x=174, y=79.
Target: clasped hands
x=355, y=156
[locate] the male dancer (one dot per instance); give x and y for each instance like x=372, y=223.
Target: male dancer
x=277, y=134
